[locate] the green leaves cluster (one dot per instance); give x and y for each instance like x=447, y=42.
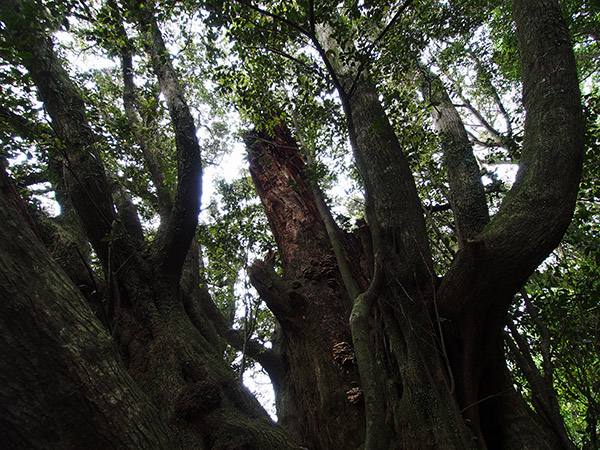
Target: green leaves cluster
x=234, y=234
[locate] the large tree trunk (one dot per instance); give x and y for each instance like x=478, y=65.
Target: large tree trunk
x=533, y=217
x=314, y=311
x=408, y=360
x=317, y=397
x=61, y=384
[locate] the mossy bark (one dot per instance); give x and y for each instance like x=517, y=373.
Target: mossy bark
x=440, y=342
x=61, y=382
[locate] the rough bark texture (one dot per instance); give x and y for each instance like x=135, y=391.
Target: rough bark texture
x=315, y=397
x=467, y=194
x=84, y=174
x=176, y=231
x=446, y=387
x=146, y=143
x=480, y=284
x=61, y=384
x=421, y=412
x=451, y=384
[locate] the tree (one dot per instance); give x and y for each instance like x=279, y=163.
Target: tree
x=376, y=347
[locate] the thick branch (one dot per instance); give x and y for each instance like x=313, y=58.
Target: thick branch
x=272, y=289
x=131, y=103
x=537, y=210
x=136, y=116
x=393, y=205
x=375, y=437
x=467, y=194
x=128, y=214
x=9, y=191
x=489, y=270
x=266, y=357
x=174, y=235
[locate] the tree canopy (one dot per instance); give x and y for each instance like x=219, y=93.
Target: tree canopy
x=411, y=253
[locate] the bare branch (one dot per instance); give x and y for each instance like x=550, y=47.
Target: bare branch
x=392, y=22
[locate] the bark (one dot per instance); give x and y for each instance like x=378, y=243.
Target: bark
x=140, y=122
x=482, y=280
x=418, y=403
x=467, y=354
x=62, y=385
x=8, y=189
x=467, y=199
x=50, y=337
x=145, y=142
x=176, y=232
x=63, y=235
x=445, y=386
x=318, y=398
x=90, y=194
x=417, y=384
x=393, y=206
x=69, y=247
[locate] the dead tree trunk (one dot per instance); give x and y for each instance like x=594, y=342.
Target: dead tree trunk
x=318, y=398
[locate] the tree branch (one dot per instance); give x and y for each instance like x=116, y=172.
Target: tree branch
x=9, y=191
x=393, y=206
x=311, y=16
x=494, y=92
x=392, y=22
x=467, y=104
x=372, y=385
x=330, y=226
x=266, y=357
x=537, y=210
x=275, y=17
x=23, y=127
x=467, y=195
x=175, y=234
x=272, y=289
x=133, y=114
x=84, y=173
